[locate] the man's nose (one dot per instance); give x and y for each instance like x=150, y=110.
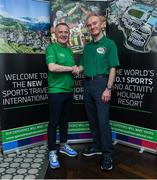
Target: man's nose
x=92, y=26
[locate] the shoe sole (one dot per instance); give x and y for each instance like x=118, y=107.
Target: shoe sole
x=70, y=155
x=52, y=167
x=92, y=154
x=109, y=169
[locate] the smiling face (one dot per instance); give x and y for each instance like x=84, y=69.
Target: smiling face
x=94, y=26
x=62, y=34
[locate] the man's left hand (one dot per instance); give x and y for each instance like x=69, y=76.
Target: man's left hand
x=106, y=95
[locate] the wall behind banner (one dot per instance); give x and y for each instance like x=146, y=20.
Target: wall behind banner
x=133, y=25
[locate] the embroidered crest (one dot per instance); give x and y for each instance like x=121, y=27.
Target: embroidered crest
x=101, y=50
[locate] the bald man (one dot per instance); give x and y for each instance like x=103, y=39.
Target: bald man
x=98, y=63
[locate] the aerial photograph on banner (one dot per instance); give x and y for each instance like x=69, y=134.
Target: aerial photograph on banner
x=137, y=20
x=24, y=26
x=75, y=13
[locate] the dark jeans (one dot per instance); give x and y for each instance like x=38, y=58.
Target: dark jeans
x=59, y=108
x=98, y=114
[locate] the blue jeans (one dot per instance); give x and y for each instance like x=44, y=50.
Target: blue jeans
x=59, y=108
x=98, y=114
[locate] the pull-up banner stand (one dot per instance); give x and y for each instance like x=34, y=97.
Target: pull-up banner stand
x=23, y=73
x=133, y=25
x=75, y=13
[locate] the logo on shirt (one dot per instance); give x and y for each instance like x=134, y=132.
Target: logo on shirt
x=61, y=55
x=101, y=50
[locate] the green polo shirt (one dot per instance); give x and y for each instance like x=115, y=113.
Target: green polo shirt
x=63, y=81
x=98, y=57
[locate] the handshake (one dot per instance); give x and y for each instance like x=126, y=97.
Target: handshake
x=76, y=70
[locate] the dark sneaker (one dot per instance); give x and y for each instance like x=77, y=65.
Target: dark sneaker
x=106, y=164
x=91, y=151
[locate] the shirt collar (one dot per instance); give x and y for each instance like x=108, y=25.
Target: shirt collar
x=99, y=38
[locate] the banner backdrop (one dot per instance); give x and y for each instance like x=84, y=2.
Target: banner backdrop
x=24, y=27
x=24, y=37
x=74, y=13
x=23, y=73
x=133, y=25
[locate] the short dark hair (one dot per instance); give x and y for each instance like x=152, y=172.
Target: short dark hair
x=62, y=24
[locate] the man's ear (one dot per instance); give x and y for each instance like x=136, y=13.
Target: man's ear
x=103, y=22
x=52, y=29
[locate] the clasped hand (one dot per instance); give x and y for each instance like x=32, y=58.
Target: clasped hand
x=75, y=70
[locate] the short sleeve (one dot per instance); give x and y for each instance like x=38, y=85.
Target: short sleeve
x=82, y=57
x=50, y=55
x=113, y=56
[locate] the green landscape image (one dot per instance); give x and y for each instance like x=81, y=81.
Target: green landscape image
x=23, y=32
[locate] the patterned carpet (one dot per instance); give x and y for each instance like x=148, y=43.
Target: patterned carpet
x=31, y=163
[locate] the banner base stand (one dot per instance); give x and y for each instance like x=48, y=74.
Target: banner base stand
x=153, y=151
x=17, y=151
x=114, y=142
x=141, y=150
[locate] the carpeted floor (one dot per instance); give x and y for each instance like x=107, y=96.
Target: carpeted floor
x=31, y=163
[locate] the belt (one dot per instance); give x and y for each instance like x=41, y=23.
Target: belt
x=98, y=76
